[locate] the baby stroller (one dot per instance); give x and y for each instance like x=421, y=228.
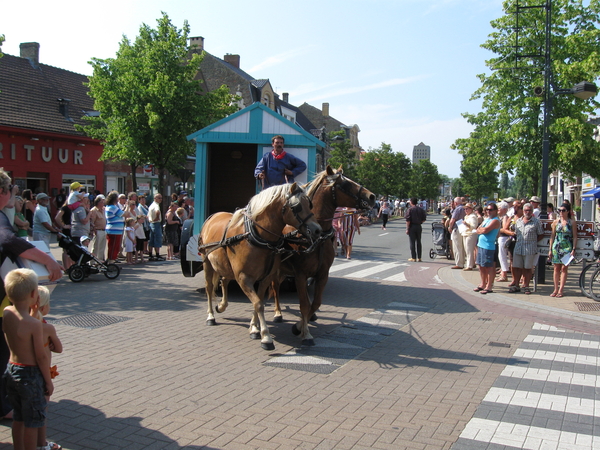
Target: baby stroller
x=84, y=262
x=441, y=244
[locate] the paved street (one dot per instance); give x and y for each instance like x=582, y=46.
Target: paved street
x=407, y=356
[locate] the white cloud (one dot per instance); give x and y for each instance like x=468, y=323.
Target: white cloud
x=369, y=87
x=279, y=58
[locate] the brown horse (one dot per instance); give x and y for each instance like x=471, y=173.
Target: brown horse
x=329, y=190
x=246, y=246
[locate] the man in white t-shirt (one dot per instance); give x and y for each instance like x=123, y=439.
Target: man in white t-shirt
x=155, y=219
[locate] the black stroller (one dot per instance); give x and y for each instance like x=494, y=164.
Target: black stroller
x=84, y=262
x=441, y=243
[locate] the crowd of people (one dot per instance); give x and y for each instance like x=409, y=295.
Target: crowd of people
x=117, y=227
x=502, y=239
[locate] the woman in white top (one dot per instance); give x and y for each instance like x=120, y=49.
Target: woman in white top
x=469, y=236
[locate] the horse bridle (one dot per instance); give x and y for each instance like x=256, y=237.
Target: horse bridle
x=297, y=208
x=360, y=202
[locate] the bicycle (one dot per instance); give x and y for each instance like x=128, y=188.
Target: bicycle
x=591, y=284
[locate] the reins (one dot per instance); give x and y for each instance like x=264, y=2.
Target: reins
x=252, y=235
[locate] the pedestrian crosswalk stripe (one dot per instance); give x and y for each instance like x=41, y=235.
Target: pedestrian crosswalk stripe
x=547, y=408
x=348, y=265
x=526, y=437
x=557, y=356
x=578, y=343
x=553, y=376
x=371, y=270
x=399, y=278
x=550, y=402
x=386, y=271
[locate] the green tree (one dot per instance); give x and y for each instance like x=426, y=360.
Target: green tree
x=426, y=180
x=384, y=172
x=149, y=100
x=478, y=177
x=509, y=128
x=342, y=154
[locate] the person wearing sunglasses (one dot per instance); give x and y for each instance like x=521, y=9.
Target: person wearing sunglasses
x=563, y=242
x=528, y=231
x=486, y=247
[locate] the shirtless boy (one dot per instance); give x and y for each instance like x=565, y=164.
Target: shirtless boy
x=27, y=376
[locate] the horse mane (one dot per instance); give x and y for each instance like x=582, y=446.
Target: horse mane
x=311, y=188
x=260, y=202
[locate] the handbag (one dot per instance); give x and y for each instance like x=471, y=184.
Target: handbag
x=510, y=243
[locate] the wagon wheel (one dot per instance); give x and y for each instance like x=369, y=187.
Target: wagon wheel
x=76, y=273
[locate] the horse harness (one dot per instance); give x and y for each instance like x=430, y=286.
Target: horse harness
x=251, y=232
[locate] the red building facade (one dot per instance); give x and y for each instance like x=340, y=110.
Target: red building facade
x=45, y=162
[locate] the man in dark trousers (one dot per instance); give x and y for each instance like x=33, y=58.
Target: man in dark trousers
x=278, y=167
x=415, y=216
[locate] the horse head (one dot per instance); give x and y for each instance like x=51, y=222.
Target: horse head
x=351, y=194
x=297, y=212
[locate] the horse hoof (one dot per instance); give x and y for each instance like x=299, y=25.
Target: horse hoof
x=254, y=336
x=268, y=346
x=313, y=318
x=211, y=322
x=308, y=342
x=278, y=319
x=217, y=310
x=295, y=330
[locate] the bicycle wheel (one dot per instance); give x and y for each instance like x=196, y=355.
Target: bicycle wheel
x=584, y=280
x=594, y=285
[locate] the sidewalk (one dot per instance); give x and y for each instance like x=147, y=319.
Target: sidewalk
x=574, y=304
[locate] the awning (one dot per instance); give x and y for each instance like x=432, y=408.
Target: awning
x=591, y=195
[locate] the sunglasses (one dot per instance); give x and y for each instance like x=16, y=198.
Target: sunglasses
x=490, y=209
x=562, y=210
x=10, y=188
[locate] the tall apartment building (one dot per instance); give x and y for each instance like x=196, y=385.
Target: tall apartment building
x=420, y=152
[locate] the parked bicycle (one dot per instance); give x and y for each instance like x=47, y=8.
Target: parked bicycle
x=589, y=279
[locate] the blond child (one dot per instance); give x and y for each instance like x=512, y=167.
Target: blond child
x=130, y=239
x=51, y=344
x=140, y=238
x=75, y=197
x=27, y=375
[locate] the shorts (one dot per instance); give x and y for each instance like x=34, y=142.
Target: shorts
x=139, y=244
x=524, y=261
x=485, y=257
x=155, y=235
x=25, y=391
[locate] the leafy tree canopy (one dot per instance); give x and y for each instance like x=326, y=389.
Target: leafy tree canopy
x=342, y=153
x=385, y=172
x=508, y=130
x=149, y=100
x=425, y=180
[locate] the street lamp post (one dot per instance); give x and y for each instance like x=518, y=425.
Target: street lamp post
x=583, y=90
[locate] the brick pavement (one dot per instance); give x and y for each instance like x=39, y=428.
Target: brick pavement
x=165, y=380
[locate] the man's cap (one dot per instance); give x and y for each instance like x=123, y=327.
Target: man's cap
x=41, y=196
x=75, y=185
x=509, y=199
x=535, y=199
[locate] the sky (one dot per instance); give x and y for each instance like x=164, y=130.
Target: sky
x=402, y=70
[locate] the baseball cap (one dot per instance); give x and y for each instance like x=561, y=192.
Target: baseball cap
x=75, y=185
x=509, y=199
x=536, y=199
x=41, y=196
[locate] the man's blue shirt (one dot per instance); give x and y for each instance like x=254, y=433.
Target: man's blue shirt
x=274, y=169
